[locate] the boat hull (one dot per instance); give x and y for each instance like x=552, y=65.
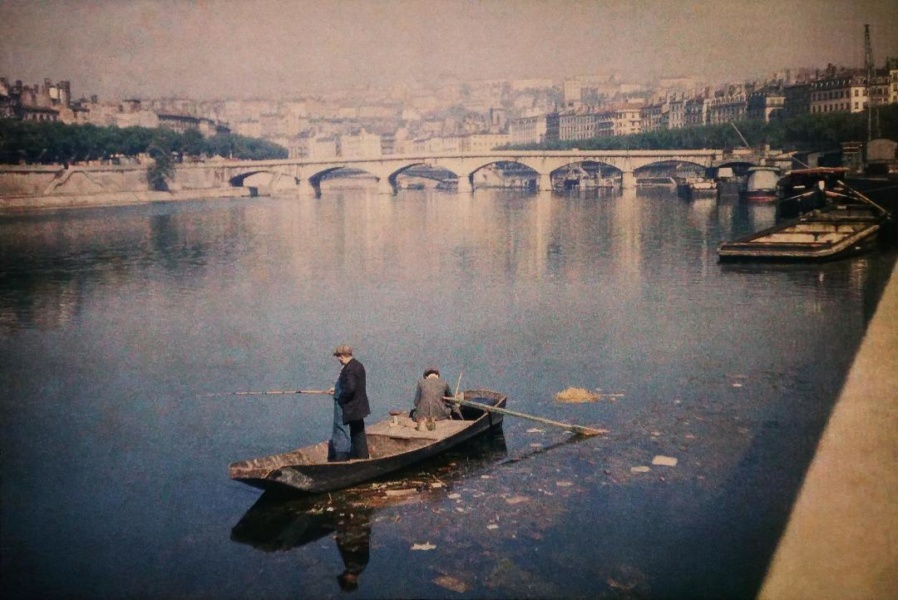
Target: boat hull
x=818, y=236
x=759, y=196
x=392, y=445
x=760, y=185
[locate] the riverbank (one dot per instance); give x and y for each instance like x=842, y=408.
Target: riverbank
x=842, y=536
x=18, y=204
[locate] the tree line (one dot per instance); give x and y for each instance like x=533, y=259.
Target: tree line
x=805, y=132
x=57, y=143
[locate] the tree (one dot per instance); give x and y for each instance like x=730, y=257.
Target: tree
x=162, y=169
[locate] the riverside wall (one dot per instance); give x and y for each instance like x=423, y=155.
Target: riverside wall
x=55, y=186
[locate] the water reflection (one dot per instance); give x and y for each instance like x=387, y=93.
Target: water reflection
x=278, y=523
x=283, y=521
x=50, y=262
x=113, y=321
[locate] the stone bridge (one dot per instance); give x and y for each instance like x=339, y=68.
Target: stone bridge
x=303, y=176
x=306, y=174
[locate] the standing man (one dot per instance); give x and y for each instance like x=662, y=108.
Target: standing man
x=348, y=439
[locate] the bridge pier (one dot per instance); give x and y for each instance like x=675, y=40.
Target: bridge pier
x=627, y=180
x=305, y=189
x=385, y=188
x=464, y=185
x=544, y=182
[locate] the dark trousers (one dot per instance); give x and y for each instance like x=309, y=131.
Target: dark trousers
x=358, y=438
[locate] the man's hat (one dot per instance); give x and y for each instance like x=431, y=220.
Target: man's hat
x=430, y=370
x=343, y=350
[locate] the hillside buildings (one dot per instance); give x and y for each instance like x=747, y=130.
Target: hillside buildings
x=454, y=117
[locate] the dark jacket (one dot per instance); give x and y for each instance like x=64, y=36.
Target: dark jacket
x=353, y=396
x=429, y=402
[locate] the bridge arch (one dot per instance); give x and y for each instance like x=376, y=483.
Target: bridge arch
x=586, y=174
x=238, y=180
x=670, y=167
x=277, y=180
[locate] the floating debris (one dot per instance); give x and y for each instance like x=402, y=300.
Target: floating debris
x=403, y=492
x=517, y=500
x=574, y=395
x=454, y=496
x=665, y=461
x=425, y=546
x=492, y=526
x=640, y=469
x=536, y=430
x=564, y=483
x=451, y=583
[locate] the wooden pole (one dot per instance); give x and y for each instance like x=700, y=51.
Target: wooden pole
x=268, y=393
x=578, y=429
x=864, y=198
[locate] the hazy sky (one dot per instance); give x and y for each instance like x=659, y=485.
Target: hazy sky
x=228, y=48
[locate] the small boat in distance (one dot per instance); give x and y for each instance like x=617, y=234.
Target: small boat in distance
x=656, y=182
x=760, y=184
x=393, y=444
x=700, y=187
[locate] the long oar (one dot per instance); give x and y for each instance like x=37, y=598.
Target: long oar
x=578, y=429
x=268, y=393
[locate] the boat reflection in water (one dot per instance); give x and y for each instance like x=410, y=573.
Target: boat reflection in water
x=277, y=522
x=286, y=520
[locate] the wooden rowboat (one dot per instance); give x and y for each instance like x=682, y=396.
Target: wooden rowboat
x=392, y=444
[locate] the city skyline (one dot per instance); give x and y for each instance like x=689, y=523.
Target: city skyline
x=210, y=49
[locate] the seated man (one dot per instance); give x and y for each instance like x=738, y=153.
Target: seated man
x=429, y=403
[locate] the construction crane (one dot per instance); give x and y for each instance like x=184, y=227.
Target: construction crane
x=868, y=67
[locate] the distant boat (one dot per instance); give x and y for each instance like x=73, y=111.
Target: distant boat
x=695, y=187
x=760, y=184
x=656, y=182
x=727, y=181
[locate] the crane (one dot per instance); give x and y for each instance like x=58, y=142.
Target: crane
x=868, y=68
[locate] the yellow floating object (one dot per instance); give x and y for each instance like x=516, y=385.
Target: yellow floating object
x=572, y=394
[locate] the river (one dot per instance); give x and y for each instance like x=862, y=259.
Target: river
x=116, y=322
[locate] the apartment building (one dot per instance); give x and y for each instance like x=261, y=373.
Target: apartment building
x=653, y=116
x=765, y=104
x=676, y=113
x=313, y=147
x=360, y=144
x=527, y=130
x=483, y=142
x=845, y=94
x=626, y=121
x=796, y=100
x=728, y=107
x=695, y=111
x=578, y=126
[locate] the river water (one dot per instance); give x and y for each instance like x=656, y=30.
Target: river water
x=114, y=323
